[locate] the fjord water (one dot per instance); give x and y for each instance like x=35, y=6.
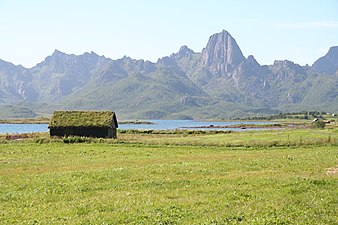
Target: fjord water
x=184, y=124
x=156, y=125
x=22, y=128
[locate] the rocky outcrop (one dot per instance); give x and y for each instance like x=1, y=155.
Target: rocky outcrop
x=222, y=54
x=15, y=83
x=248, y=68
x=184, y=52
x=287, y=70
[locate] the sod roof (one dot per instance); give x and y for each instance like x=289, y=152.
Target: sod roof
x=83, y=119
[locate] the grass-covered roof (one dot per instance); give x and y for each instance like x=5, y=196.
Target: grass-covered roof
x=83, y=119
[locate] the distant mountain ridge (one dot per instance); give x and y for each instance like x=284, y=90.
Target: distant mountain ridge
x=219, y=82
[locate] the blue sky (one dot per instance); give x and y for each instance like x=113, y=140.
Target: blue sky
x=298, y=30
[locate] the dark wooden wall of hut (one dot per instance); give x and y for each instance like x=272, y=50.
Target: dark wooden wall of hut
x=84, y=132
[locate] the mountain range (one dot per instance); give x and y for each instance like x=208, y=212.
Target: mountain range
x=217, y=83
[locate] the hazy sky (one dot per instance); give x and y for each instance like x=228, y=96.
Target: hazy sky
x=298, y=30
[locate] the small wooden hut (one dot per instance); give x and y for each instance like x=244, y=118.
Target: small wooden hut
x=83, y=123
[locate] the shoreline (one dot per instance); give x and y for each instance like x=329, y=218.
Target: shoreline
x=25, y=121
x=251, y=126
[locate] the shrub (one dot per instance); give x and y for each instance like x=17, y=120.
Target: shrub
x=75, y=139
x=318, y=124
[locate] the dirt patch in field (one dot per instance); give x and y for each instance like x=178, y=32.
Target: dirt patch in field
x=16, y=136
x=332, y=170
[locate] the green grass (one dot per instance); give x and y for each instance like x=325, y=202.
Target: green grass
x=283, y=137
x=156, y=180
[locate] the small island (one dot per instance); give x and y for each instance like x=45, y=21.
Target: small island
x=135, y=122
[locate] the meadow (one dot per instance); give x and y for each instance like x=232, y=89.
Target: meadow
x=259, y=177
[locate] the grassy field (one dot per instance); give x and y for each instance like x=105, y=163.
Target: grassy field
x=266, y=177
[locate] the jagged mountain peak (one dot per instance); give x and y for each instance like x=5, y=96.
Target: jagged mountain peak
x=251, y=60
x=58, y=53
x=287, y=67
x=59, y=59
x=183, y=52
x=333, y=51
x=91, y=54
x=4, y=63
x=248, y=68
x=283, y=63
x=166, y=61
x=9, y=67
x=327, y=64
x=222, y=53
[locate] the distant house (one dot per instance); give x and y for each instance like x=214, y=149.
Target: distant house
x=311, y=113
x=83, y=123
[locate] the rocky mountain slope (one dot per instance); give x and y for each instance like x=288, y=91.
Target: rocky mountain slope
x=327, y=64
x=218, y=82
